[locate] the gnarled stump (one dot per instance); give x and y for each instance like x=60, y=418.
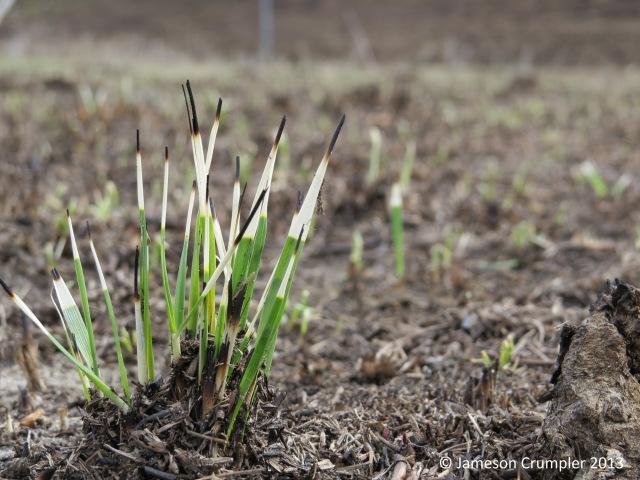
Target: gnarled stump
x=595, y=405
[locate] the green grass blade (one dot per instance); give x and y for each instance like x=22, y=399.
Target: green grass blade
x=279, y=273
x=144, y=297
x=269, y=321
x=221, y=318
x=407, y=164
x=203, y=327
x=95, y=379
x=253, y=267
x=84, y=297
x=181, y=279
x=212, y=268
x=275, y=298
x=181, y=282
x=83, y=380
x=397, y=229
x=143, y=266
x=167, y=293
x=124, y=380
x=194, y=291
x=285, y=289
x=224, y=262
x=163, y=252
x=141, y=344
x=357, y=247
x=255, y=363
x=73, y=319
x=240, y=261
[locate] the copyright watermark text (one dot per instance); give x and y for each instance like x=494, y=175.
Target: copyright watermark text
x=528, y=463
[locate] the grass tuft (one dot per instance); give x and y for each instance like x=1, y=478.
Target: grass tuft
x=233, y=353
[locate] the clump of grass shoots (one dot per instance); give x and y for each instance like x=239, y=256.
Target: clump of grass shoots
x=442, y=255
x=504, y=355
x=210, y=303
x=407, y=164
x=589, y=173
x=301, y=313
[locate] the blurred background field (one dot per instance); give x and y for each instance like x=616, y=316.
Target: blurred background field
x=574, y=32
x=525, y=118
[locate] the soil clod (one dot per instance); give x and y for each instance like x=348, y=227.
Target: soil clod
x=594, y=412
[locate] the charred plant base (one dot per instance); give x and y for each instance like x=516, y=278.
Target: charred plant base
x=165, y=435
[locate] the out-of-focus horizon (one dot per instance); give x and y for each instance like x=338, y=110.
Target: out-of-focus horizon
x=434, y=31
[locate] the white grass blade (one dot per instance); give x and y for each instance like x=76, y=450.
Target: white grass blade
x=265, y=180
x=303, y=219
x=139, y=183
x=165, y=189
x=235, y=205
x=198, y=152
x=217, y=232
x=212, y=138
x=187, y=228
x=72, y=236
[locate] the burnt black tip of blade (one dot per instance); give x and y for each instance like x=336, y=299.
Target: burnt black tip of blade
x=300, y=200
x=166, y=152
x=240, y=203
x=219, y=109
x=299, y=240
x=230, y=296
x=68, y=214
x=196, y=129
x=55, y=274
x=236, y=302
x=242, y=192
x=74, y=342
x=280, y=130
x=88, y=230
x=254, y=210
x=237, y=167
x=6, y=288
x=207, y=189
x=135, y=271
x=186, y=104
x=334, y=139
x=138, y=140
x=194, y=185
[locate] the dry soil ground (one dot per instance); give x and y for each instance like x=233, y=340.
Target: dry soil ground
x=389, y=371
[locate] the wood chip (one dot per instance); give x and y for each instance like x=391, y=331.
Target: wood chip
x=30, y=420
x=326, y=464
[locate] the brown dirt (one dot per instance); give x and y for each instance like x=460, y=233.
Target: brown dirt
x=389, y=375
